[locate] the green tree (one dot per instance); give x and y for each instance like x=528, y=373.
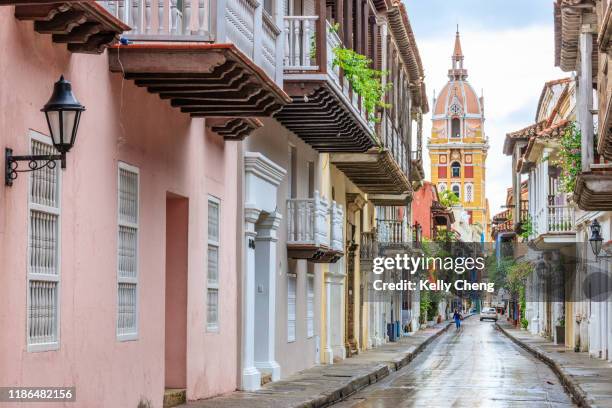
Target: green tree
x=448, y=198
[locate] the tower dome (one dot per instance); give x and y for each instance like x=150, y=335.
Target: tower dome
x=457, y=98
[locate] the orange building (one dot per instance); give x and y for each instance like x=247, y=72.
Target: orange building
x=458, y=145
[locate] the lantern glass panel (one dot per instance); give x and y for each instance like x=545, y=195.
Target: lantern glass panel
x=595, y=246
x=53, y=117
x=68, y=126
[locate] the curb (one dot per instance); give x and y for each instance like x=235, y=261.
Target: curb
x=571, y=386
x=381, y=371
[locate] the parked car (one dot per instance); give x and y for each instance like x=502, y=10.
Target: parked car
x=488, y=313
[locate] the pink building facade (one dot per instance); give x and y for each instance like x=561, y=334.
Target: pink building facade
x=106, y=266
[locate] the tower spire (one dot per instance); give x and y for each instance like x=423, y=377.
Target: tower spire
x=458, y=53
x=457, y=72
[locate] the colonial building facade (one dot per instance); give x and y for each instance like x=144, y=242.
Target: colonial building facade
x=213, y=225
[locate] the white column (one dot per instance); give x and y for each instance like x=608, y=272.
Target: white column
x=266, y=248
x=328, y=354
x=251, y=377
x=584, y=99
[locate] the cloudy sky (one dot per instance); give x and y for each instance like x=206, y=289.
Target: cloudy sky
x=509, y=54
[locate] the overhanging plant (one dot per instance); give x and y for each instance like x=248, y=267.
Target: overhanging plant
x=569, y=158
x=365, y=80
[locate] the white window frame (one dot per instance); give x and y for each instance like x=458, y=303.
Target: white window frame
x=37, y=347
x=291, y=337
x=310, y=289
x=453, y=185
x=135, y=280
x=214, y=326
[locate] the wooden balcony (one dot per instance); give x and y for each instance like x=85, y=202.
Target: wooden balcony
x=85, y=27
x=594, y=189
x=314, y=229
x=393, y=236
x=383, y=170
x=368, y=248
x=554, y=226
x=209, y=59
x=325, y=112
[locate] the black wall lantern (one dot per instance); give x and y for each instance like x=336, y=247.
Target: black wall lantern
x=63, y=113
x=596, y=239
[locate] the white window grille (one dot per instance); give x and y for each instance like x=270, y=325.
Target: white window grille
x=127, y=252
x=291, y=305
x=310, y=306
x=43, y=252
x=212, y=290
x=469, y=192
x=441, y=187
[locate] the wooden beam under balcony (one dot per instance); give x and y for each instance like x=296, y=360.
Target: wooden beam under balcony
x=86, y=27
x=324, y=119
x=373, y=172
x=594, y=191
x=233, y=128
x=204, y=80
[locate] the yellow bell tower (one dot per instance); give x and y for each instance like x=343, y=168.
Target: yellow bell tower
x=458, y=145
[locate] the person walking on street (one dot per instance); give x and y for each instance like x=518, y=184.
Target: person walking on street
x=457, y=318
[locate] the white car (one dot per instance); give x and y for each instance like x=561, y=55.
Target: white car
x=488, y=313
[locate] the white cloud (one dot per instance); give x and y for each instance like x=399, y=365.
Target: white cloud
x=511, y=66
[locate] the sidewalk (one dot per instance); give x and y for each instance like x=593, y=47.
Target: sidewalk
x=588, y=380
x=323, y=385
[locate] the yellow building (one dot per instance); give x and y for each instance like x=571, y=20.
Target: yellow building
x=458, y=145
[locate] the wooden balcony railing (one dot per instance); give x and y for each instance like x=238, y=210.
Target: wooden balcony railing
x=315, y=229
x=300, y=43
x=554, y=219
x=301, y=56
x=369, y=245
x=524, y=211
x=164, y=19
x=391, y=231
x=393, y=141
x=336, y=215
x=242, y=22
x=307, y=221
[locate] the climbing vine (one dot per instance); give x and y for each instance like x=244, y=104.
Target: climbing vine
x=570, y=158
x=365, y=80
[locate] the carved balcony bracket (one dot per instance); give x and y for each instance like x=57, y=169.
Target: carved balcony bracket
x=86, y=27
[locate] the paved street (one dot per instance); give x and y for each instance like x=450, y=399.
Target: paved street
x=475, y=367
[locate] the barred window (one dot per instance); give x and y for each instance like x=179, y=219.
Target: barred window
x=43, y=252
x=212, y=289
x=127, y=252
x=291, y=304
x=310, y=306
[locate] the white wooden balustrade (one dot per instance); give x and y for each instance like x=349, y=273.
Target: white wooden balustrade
x=558, y=219
x=301, y=55
x=336, y=214
x=164, y=19
x=369, y=245
x=307, y=221
x=244, y=23
x=300, y=43
x=391, y=231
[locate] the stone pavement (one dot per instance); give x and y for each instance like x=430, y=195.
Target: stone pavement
x=324, y=385
x=587, y=379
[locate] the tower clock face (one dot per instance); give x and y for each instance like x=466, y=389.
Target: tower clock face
x=455, y=109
